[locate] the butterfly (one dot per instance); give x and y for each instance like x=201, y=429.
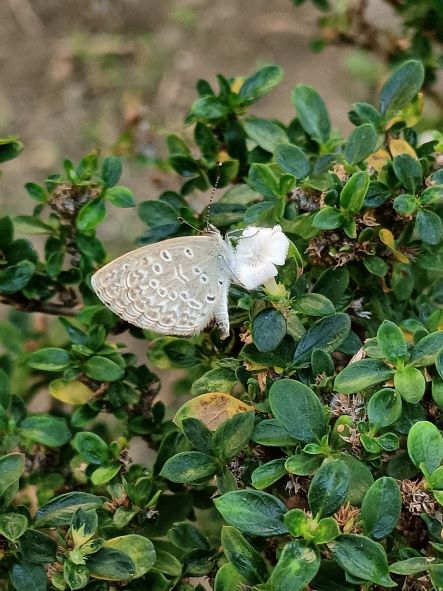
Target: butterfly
x=180, y=285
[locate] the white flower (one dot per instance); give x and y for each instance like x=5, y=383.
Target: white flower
x=257, y=253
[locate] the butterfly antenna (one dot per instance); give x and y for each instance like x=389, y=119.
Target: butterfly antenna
x=211, y=197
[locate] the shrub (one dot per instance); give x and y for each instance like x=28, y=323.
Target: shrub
x=309, y=453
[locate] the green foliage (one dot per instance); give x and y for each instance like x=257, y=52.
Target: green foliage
x=313, y=431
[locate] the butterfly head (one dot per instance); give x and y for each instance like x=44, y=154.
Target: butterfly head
x=257, y=253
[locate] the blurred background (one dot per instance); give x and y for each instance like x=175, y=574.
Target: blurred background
x=119, y=75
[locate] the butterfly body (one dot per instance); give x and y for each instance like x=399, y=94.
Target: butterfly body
x=177, y=286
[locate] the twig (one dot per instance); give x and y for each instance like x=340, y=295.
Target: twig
x=25, y=305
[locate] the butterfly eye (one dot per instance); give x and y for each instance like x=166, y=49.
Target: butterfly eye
x=157, y=268
x=188, y=252
x=154, y=283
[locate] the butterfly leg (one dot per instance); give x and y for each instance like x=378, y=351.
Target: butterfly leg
x=221, y=314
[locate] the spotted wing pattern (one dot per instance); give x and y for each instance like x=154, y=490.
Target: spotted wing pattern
x=172, y=287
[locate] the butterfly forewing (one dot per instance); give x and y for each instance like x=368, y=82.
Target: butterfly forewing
x=172, y=287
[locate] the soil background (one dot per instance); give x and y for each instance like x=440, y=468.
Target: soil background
x=82, y=74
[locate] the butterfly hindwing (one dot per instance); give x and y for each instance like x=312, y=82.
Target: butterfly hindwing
x=171, y=287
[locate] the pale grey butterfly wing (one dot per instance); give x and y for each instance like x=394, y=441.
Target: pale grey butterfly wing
x=177, y=286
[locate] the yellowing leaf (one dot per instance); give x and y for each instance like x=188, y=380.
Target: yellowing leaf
x=378, y=159
x=387, y=237
x=212, y=409
x=398, y=147
x=223, y=156
x=411, y=114
x=70, y=391
x=237, y=84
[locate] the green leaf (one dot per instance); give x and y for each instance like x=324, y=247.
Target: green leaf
x=26, y=576
x=381, y=508
x=352, y=196
x=137, y=548
x=292, y=159
x=91, y=447
x=329, y=488
x=111, y=170
x=333, y=283
x=391, y=340
x=209, y=108
x=262, y=179
x=268, y=329
x=260, y=83
x=436, y=575
x=362, y=374
x=110, y=565
x=298, y=409
x=36, y=192
x=27, y=224
x=313, y=304
x=105, y=474
x=13, y=525
x=189, y=466
x=38, y=547
x=268, y=473
x=361, y=143
x=425, y=445
x=361, y=478
x=46, y=429
x=363, y=559
x=187, y=537
x=120, y=196
x=16, y=277
x=429, y=226
x=405, y=205
x=376, y=265
x=384, y=407
x=327, y=530
x=425, y=350
x=265, y=133
x=91, y=215
x=103, y=369
x=59, y=510
x=411, y=566
x=410, y=384
x=327, y=334
x=10, y=147
x=439, y=363
x=296, y=567
x=76, y=575
x=228, y=579
x=6, y=232
x=269, y=432
x=245, y=559
x=197, y=434
x=232, y=435
x=12, y=467
x=401, y=87
x=220, y=379
x=409, y=172
x=303, y=464
x=49, y=359
x=253, y=512
x=328, y=218
x=311, y=112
